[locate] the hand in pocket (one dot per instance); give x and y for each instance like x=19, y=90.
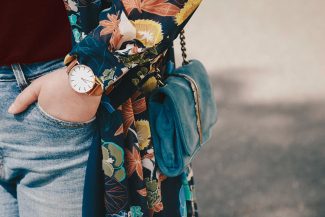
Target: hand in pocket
x=57, y=98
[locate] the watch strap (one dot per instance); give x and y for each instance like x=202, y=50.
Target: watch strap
x=68, y=59
x=71, y=65
x=97, y=89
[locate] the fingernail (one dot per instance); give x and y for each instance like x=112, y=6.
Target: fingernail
x=11, y=109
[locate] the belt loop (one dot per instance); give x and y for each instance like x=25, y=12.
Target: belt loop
x=20, y=77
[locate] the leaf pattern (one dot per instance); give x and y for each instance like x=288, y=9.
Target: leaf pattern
x=148, y=32
x=188, y=9
x=119, y=131
x=134, y=163
x=109, y=25
x=143, y=130
x=115, y=39
x=128, y=116
x=113, y=159
x=139, y=106
x=115, y=197
x=158, y=7
x=135, y=211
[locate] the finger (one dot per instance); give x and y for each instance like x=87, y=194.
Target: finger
x=25, y=98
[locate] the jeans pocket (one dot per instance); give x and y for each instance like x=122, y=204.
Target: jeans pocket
x=48, y=117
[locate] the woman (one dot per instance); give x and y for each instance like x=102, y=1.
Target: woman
x=98, y=97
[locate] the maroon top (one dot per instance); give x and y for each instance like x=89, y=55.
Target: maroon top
x=34, y=30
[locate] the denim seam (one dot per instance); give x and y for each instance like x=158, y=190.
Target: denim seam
x=2, y=164
x=8, y=80
x=61, y=122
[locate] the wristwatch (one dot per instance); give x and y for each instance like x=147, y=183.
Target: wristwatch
x=82, y=78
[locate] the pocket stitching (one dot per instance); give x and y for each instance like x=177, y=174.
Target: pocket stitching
x=58, y=121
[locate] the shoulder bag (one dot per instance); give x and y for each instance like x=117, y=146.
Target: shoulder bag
x=182, y=112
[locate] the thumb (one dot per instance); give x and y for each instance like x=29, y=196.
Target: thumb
x=25, y=98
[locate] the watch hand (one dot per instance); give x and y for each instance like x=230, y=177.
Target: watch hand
x=87, y=80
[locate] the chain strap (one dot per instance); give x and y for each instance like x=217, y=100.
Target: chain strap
x=182, y=38
x=183, y=47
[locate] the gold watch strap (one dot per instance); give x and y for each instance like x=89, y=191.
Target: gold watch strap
x=71, y=65
x=97, y=89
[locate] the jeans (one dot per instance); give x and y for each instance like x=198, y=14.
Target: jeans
x=43, y=160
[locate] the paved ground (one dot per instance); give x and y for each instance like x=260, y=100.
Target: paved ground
x=267, y=64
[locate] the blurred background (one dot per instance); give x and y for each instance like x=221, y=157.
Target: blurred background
x=266, y=59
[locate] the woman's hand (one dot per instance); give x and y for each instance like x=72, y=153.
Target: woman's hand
x=57, y=98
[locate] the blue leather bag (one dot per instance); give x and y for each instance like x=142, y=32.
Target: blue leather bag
x=181, y=113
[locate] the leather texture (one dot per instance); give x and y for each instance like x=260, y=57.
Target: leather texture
x=173, y=118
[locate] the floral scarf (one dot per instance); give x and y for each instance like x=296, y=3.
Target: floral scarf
x=116, y=38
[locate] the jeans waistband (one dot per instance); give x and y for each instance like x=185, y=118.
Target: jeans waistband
x=31, y=70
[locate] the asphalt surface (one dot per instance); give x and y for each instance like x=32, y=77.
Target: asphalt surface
x=266, y=60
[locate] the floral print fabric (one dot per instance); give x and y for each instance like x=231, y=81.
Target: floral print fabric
x=115, y=38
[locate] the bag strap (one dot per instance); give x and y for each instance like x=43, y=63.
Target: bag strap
x=183, y=47
x=184, y=56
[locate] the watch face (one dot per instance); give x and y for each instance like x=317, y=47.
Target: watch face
x=82, y=78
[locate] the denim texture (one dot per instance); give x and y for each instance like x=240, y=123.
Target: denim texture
x=43, y=160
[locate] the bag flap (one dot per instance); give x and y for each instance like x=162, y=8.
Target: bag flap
x=174, y=119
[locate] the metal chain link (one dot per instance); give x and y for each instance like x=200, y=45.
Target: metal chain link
x=183, y=47
x=184, y=55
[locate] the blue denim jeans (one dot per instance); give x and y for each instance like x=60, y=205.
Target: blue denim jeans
x=43, y=160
